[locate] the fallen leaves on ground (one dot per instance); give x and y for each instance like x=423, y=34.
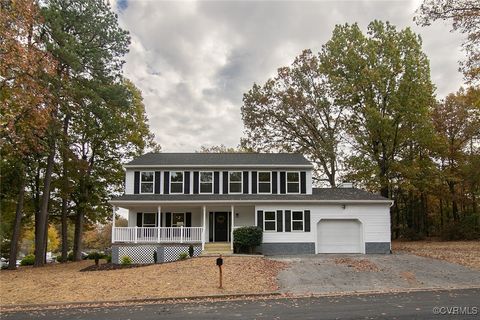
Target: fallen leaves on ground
x=192, y=277
x=466, y=253
x=359, y=265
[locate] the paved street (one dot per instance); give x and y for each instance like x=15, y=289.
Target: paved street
x=416, y=305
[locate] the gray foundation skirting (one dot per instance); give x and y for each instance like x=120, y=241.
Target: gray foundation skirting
x=141, y=253
x=377, y=247
x=287, y=248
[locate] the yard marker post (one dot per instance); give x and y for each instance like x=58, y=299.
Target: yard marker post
x=219, y=264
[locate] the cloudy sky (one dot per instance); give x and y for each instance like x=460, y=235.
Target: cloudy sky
x=194, y=60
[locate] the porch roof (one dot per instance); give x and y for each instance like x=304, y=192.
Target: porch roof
x=336, y=195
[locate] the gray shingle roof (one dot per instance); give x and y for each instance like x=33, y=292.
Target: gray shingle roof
x=328, y=194
x=220, y=159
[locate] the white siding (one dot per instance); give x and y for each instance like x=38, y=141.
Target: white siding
x=309, y=181
x=375, y=219
x=129, y=180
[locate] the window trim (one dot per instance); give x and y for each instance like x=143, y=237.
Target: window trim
x=152, y=182
x=286, y=182
x=265, y=220
x=241, y=182
x=143, y=220
x=184, y=218
x=200, y=182
x=183, y=182
x=258, y=182
x=303, y=221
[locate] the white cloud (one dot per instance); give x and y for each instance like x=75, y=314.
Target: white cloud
x=194, y=60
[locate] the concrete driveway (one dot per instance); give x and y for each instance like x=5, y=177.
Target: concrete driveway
x=354, y=272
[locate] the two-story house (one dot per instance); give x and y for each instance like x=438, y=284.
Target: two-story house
x=179, y=199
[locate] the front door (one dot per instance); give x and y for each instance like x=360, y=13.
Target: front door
x=221, y=226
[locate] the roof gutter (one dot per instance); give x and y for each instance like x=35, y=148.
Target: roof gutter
x=219, y=166
x=249, y=201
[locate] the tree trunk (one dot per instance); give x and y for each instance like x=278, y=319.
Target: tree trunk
x=12, y=263
x=77, y=241
x=40, y=235
x=65, y=191
x=64, y=229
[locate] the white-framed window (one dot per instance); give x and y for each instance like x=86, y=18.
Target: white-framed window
x=264, y=182
x=178, y=219
x=176, y=182
x=298, y=221
x=146, y=181
x=293, y=182
x=206, y=182
x=149, y=219
x=270, y=221
x=235, y=181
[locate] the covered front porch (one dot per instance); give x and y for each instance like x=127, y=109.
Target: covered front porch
x=182, y=224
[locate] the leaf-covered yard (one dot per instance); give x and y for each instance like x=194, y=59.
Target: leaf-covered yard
x=193, y=277
x=466, y=253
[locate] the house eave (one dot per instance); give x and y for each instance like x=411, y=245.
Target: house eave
x=169, y=166
x=156, y=202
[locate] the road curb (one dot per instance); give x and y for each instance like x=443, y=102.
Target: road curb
x=80, y=304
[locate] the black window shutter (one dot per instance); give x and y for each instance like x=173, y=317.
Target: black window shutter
x=274, y=182
x=260, y=219
x=157, y=182
x=288, y=219
x=160, y=221
x=166, y=182
x=303, y=182
x=210, y=226
x=136, y=182
x=279, y=220
x=307, y=220
x=139, y=219
x=254, y=182
x=195, y=182
x=168, y=219
x=186, y=182
x=216, y=182
x=245, y=182
x=188, y=219
x=282, y=182
x=225, y=182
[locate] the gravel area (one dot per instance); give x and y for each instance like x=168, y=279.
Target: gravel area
x=193, y=277
x=312, y=274
x=466, y=253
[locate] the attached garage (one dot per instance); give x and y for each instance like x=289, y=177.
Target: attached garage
x=339, y=236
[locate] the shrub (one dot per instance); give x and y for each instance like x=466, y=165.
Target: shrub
x=95, y=256
x=108, y=257
x=28, y=260
x=183, y=256
x=70, y=256
x=190, y=251
x=60, y=259
x=155, y=256
x=126, y=260
x=247, y=238
x=465, y=229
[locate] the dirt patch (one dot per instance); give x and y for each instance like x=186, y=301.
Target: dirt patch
x=466, y=253
x=410, y=277
x=111, y=266
x=192, y=277
x=359, y=265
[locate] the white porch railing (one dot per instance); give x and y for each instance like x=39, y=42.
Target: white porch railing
x=157, y=234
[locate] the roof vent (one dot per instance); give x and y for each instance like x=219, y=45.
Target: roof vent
x=346, y=185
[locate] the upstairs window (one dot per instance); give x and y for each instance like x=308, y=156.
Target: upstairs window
x=269, y=221
x=235, y=182
x=293, y=182
x=297, y=221
x=176, y=182
x=146, y=182
x=206, y=182
x=265, y=182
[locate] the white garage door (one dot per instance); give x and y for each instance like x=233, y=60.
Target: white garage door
x=339, y=236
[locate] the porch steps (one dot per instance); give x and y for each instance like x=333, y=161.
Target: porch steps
x=217, y=248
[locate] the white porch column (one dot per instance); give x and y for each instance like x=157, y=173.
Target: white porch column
x=159, y=219
x=204, y=220
x=114, y=208
x=233, y=224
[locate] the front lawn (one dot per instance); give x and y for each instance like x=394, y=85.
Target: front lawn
x=466, y=253
x=192, y=277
